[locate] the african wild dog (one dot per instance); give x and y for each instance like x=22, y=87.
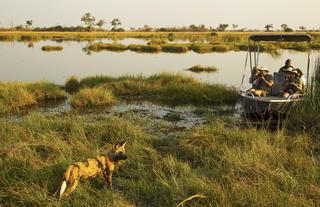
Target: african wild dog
x=103, y=164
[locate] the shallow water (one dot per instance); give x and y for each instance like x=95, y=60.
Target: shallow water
x=27, y=62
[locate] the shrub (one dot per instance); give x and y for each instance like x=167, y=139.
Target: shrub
x=72, y=85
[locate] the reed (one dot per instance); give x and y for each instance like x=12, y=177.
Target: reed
x=175, y=89
x=18, y=95
x=89, y=97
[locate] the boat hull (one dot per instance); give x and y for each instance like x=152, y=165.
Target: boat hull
x=267, y=105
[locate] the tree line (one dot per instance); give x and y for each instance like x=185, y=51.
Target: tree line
x=97, y=25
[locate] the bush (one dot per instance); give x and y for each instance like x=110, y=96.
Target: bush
x=72, y=85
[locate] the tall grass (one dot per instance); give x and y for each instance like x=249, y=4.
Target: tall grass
x=97, y=47
x=89, y=97
x=307, y=116
x=164, y=87
x=17, y=95
x=226, y=167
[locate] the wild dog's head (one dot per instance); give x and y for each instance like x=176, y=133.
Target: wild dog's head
x=119, y=151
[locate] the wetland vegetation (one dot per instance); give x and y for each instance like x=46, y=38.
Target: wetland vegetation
x=201, y=42
x=216, y=162
x=49, y=48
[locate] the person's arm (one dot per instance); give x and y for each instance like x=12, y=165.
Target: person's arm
x=269, y=83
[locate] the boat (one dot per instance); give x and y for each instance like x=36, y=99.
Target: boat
x=274, y=104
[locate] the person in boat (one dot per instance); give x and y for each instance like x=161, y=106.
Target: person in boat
x=254, y=75
x=301, y=76
x=293, y=86
x=287, y=67
x=263, y=83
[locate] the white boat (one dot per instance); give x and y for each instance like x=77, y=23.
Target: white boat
x=275, y=103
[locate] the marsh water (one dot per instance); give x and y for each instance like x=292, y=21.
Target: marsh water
x=24, y=61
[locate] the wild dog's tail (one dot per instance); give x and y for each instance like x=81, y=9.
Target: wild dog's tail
x=65, y=181
x=62, y=188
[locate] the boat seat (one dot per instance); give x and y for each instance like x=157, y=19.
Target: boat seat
x=278, y=80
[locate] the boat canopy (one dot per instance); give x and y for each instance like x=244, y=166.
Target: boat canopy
x=281, y=37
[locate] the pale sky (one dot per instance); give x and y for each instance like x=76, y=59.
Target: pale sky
x=251, y=14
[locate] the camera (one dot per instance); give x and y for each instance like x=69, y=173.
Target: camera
x=260, y=75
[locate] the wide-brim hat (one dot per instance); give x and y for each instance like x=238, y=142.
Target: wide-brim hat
x=262, y=68
x=294, y=71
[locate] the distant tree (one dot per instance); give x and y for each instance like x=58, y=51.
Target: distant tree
x=288, y=29
x=284, y=26
x=100, y=23
x=268, y=27
x=89, y=20
x=234, y=26
x=29, y=23
x=115, y=22
x=193, y=27
x=222, y=27
x=302, y=28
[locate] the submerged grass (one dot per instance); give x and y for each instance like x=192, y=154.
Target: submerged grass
x=199, y=68
x=49, y=48
x=211, y=164
x=97, y=47
x=145, y=48
x=15, y=96
x=169, y=88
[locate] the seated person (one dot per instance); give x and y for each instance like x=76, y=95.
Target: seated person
x=301, y=77
x=293, y=86
x=287, y=67
x=254, y=75
x=263, y=84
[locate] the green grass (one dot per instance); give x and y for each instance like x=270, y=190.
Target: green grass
x=97, y=47
x=168, y=88
x=15, y=96
x=232, y=39
x=201, y=48
x=228, y=166
x=175, y=48
x=90, y=97
x=199, y=68
x=49, y=48
x=145, y=48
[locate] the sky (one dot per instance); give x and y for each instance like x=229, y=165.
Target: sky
x=251, y=14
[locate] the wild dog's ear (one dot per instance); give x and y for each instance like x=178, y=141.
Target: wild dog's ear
x=119, y=144
x=116, y=146
x=123, y=143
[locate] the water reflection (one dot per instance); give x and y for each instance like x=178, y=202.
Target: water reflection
x=19, y=63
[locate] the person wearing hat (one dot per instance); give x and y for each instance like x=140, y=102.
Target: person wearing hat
x=263, y=83
x=301, y=76
x=294, y=85
x=287, y=67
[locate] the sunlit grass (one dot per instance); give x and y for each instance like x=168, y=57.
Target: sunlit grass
x=168, y=88
x=226, y=166
x=89, y=97
x=18, y=95
x=199, y=68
